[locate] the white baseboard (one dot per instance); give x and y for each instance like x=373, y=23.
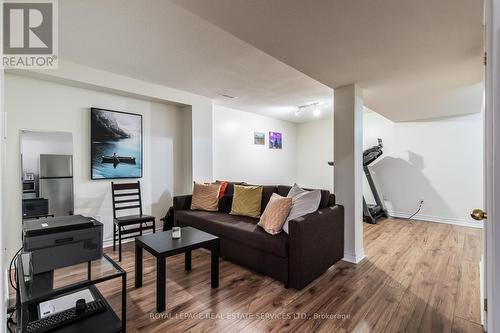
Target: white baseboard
x=354, y=258
x=437, y=219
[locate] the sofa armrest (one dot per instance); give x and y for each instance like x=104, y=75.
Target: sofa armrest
x=316, y=242
x=182, y=202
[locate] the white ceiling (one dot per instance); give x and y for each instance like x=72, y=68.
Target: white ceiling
x=414, y=59
x=160, y=42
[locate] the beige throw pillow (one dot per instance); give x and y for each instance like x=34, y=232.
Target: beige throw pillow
x=275, y=214
x=205, y=197
x=247, y=201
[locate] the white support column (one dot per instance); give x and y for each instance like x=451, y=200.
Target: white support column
x=348, y=169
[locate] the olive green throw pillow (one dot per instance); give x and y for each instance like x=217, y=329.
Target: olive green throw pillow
x=247, y=201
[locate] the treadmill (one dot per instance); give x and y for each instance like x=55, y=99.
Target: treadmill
x=372, y=213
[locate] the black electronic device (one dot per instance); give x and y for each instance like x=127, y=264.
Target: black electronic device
x=62, y=318
x=35, y=208
x=80, y=307
x=57, y=242
x=371, y=213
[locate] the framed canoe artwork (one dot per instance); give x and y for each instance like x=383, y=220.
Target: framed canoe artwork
x=116, y=144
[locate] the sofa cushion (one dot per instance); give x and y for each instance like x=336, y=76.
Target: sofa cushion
x=225, y=203
x=205, y=196
x=325, y=195
x=236, y=228
x=275, y=214
x=267, y=192
x=230, y=186
x=223, y=185
x=283, y=190
x=303, y=202
x=247, y=201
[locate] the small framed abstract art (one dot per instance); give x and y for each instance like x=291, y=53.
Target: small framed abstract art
x=259, y=138
x=275, y=140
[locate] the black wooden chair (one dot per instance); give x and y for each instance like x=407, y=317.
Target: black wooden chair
x=127, y=196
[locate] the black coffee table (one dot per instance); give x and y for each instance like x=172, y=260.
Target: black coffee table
x=161, y=245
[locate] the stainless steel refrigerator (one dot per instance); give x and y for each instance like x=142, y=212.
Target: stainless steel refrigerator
x=56, y=183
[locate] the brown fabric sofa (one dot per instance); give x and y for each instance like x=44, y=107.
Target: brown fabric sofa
x=314, y=243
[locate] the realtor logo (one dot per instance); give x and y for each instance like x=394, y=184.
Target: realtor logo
x=30, y=34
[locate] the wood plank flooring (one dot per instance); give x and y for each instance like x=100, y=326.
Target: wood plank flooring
x=417, y=277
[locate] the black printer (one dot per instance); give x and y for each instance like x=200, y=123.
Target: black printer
x=57, y=242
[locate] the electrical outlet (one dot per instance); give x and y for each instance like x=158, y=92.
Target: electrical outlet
x=385, y=198
x=421, y=201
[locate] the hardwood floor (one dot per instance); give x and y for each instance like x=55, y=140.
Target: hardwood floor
x=417, y=277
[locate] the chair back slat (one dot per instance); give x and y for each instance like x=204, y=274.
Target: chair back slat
x=125, y=201
x=125, y=186
x=130, y=192
x=126, y=207
x=126, y=194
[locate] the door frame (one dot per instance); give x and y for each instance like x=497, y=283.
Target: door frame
x=492, y=159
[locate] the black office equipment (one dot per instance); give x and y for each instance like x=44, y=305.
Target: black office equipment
x=371, y=213
x=62, y=258
x=65, y=317
x=35, y=208
x=80, y=307
x=97, y=317
x=61, y=241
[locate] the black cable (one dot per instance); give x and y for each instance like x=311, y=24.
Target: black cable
x=418, y=210
x=10, y=269
x=11, y=321
x=8, y=328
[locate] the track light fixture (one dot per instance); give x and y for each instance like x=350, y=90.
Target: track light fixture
x=315, y=106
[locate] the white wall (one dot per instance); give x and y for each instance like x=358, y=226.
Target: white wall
x=314, y=150
x=34, y=104
x=439, y=161
x=72, y=74
x=33, y=144
x=170, y=162
x=4, y=292
x=237, y=158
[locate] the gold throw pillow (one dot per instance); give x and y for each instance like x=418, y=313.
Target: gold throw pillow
x=205, y=197
x=247, y=201
x=275, y=214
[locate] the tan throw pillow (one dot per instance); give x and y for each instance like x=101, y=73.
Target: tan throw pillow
x=247, y=201
x=275, y=214
x=205, y=197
